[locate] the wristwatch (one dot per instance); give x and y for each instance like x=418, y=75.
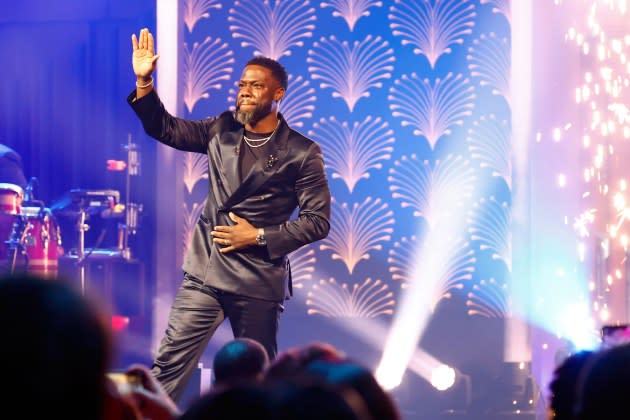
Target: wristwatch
x=260, y=238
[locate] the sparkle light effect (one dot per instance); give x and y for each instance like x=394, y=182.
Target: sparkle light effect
x=603, y=41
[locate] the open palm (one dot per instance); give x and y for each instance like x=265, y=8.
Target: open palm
x=144, y=58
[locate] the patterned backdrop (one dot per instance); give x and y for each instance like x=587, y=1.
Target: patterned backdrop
x=410, y=102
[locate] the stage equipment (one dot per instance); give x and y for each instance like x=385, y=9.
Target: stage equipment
x=11, y=197
x=30, y=231
x=517, y=394
x=40, y=241
x=119, y=282
x=456, y=399
x=81, y=204
x=132, y=210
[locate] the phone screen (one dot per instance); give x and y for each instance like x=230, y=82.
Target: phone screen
x=615, y=335
x=124, y=383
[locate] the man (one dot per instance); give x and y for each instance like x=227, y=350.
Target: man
x=259, y=171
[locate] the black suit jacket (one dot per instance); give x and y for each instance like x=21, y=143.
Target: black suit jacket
x=292, y=177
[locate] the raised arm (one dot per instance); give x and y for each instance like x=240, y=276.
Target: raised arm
x=188, y=135
x=144, y=61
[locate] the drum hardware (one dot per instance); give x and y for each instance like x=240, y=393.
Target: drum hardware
x=16, y=242
x=11, y=197
x=37, y=238
x=82, y=203
x=31, y=231
x=132, y=210
x=92, y=202
x=28, y=191
x=82, y=227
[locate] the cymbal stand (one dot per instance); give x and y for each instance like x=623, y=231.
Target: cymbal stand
x=82, y=227
x=132, y=210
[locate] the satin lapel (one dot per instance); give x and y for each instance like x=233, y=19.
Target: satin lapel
x=230, y=142
x=263, y=170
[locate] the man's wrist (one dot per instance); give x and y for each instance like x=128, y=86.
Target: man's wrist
x=260, y=237
x=143, y=84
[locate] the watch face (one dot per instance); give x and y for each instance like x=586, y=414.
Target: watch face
x=260, y=238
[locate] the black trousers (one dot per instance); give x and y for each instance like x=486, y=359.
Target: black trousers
x=197, y=312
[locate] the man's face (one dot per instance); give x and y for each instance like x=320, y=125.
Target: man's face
x=258, y=91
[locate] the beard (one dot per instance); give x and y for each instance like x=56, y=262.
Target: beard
x=252, y=117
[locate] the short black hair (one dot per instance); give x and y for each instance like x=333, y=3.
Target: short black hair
x=239, y=359
x=277, y=70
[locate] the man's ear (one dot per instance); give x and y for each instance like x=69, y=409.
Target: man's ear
x=279, y=94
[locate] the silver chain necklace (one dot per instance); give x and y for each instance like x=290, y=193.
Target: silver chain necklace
x=260, y=142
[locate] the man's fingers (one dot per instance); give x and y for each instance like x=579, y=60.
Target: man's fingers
x=234, y=217
x=227, y=249
x=143, y=38
x=222, y=238
x=134, y=42
x=150, y=43
x=155, y=58
x=223, y=229
x=222, y=235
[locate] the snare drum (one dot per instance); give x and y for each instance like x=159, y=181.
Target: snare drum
x=41, y=241
x=11, y=197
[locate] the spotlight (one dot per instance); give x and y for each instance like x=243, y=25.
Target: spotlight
x=443, y=377
x=443, y=393
x=457, y=396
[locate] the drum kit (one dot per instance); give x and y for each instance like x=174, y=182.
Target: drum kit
x=33, y=238
x=30, y=235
